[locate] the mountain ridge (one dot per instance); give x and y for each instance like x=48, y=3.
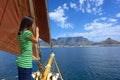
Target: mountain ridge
x=81, y=41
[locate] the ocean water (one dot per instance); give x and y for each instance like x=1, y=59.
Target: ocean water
x=82, y=63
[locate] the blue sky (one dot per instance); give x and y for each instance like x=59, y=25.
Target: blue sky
x=92, y=19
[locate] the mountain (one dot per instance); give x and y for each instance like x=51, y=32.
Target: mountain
x=79, y=41
x=108, y=42
x=70, y=41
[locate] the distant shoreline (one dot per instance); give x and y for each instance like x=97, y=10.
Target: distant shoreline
x=64, y=46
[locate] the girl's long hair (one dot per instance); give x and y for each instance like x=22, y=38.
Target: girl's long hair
x=26, y=22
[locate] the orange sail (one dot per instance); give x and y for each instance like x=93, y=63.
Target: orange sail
x=11, y=13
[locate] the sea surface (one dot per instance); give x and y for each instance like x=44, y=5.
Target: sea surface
x=80, y=63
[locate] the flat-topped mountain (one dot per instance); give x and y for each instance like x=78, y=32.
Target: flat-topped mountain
x=72, y=41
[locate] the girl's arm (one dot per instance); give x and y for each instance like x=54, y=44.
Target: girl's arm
x=35, y=38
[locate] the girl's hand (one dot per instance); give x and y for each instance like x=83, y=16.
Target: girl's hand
x=37, y=29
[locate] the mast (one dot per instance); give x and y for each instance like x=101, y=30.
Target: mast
x=48, y=67
x=34, y=27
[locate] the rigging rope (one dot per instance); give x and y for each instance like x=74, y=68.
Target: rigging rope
x=58, y=68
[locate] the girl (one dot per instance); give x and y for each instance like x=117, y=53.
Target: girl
x=25, y=38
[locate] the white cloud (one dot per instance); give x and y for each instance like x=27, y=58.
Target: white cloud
x=98, y=2
x=101, y=28
x=58, y=15
x=65, y=6
x=74, y=6
x=88, y=10
x=88, y=6
x=112, y=20
x=103, y=18
x=96, y=25
x=118, y=15
x=81, y=1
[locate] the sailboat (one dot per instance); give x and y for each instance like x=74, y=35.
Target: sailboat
x=11, y=13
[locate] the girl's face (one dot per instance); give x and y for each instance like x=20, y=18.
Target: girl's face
x=31, y=28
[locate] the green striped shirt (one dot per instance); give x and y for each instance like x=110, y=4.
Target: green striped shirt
x=25, y=58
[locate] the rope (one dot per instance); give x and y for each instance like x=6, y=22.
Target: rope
x=58, y=69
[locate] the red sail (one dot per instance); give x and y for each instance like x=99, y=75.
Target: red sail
x=11, y=13
x=42, y=19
